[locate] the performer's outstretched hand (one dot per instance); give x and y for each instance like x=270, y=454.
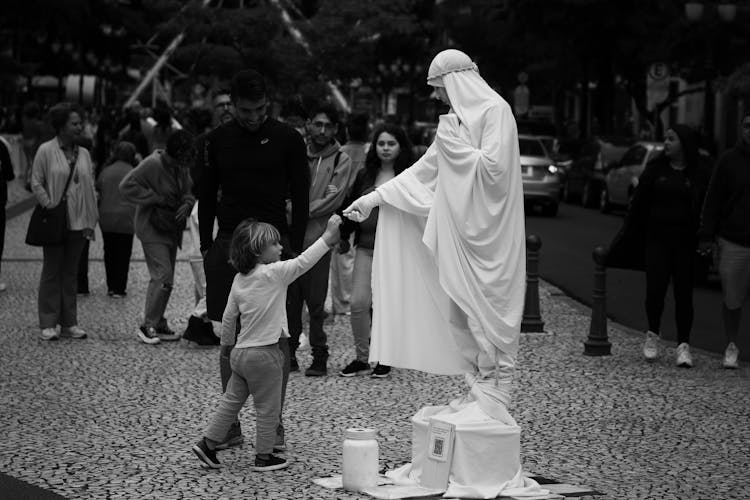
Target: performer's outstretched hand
x=361, y=208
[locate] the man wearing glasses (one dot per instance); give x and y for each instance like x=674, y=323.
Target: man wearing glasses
x=256, y=163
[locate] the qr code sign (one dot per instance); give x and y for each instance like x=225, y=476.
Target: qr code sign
x=437, y=446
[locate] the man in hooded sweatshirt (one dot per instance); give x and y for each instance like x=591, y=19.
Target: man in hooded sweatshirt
x=330, y=176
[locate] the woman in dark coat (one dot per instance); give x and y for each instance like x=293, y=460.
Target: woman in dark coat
x=660, y=235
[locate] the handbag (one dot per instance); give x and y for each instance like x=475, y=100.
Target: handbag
x=48, y=225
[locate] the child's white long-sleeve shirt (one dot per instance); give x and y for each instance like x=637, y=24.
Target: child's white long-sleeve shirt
x=259, y=299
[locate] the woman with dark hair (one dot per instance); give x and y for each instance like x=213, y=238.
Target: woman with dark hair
x=58, y=163
x=160, y=188
x=390, y=154
x=116, y=219
x=660, y=231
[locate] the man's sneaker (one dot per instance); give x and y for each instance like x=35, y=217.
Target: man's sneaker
x=684, y=360
x=207, y=456
x=200, y=332
x=49, y=334
x=148, y=335
x=234, y=437
x=651, y=346
x=76, y=332
x=293, y=364
x=317, y=368
x=166, y=334
x=271, y=463
x=380, y=371
x=355, y=368
x=730, y=356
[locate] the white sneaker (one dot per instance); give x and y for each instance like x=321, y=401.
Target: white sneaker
x=651, y=346
x=49, y=334
x=730, y=356
x=76, y=332
x=684, y=360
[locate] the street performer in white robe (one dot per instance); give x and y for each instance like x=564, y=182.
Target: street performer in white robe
x=449, y=277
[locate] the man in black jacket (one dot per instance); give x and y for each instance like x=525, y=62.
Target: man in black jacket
x=725, y=217
x=251, y=165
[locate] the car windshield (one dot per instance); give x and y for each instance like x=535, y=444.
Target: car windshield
x=531, y=147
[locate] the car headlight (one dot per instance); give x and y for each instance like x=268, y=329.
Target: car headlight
x=552, y=169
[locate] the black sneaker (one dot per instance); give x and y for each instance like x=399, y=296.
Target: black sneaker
x=271, y=463
x=354, y=368
x=148, y=335
x=234, y=437
x=317, y=368
x=207, y=456
x=380, y=371
x=200, y=332
x=166, y=334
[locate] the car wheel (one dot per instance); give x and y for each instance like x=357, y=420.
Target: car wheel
x=604, y=204
x=550, y=210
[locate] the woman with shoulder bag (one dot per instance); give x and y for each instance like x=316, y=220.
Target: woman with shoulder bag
x=160, y=188
x=62, y=172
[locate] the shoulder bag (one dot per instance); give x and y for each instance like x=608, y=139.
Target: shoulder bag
x=48, y=225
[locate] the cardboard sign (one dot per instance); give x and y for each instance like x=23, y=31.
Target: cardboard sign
x=437, y=467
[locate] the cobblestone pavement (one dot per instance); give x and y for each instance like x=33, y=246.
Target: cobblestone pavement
x=108, y=417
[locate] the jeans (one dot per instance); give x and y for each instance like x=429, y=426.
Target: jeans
x=58, y=283
x=362, y=302
x=256, y=371
x=82, y=276
x=311, y=288
x=118, y=248
x=160, y=260
x=667, y=259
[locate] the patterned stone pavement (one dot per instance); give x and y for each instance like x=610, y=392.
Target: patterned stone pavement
x=108, y=417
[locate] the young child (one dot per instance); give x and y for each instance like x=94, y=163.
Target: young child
x=258, y=297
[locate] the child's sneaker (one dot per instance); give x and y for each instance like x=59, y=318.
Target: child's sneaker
x=271, y=463
x=207, y=456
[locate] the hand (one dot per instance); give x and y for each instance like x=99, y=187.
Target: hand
x=359, y=210
x=331, y=189
x=344, y=246
x=183, y=212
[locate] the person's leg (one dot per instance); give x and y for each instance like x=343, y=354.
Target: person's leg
x=658, y=270
x=124, y=253
x=109, y=242
x=262, y=369
x=682, y=285
x=342, y=265
x=219, y=277
x=83, y=269
x=284, y=347
x=158, y=262
x=50, y=286
x=731, y=319
x=229, y=407
x=2, y=237
x=72, y=248
x=315, y=296
x=361, y=303
x=294, y=313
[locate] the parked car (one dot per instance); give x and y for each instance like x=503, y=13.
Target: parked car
x=541, y=184
x=621, y=180
x=590, y=159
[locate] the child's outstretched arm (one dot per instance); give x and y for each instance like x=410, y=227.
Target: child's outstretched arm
x=290, y=270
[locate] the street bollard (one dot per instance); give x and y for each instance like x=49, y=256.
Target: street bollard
x=532, y=320
x=598, y=344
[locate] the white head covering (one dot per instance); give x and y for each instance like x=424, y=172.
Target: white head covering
x=469, y=94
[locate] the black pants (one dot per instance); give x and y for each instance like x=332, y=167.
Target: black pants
x=83, y=269
x=118, y=248
x=2, y=232
x=310, y=288
x=670, y=259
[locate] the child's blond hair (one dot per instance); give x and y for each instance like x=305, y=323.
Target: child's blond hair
x=249, y=240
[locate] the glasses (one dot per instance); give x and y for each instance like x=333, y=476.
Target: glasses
x=322, y=125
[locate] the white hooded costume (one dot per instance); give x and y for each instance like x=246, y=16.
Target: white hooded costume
x=449, y=277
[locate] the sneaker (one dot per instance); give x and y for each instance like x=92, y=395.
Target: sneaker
x=49, y=334
x=200, y=332
x=271, y=463
x=207, y=456
x=684, y=360
x=355, y=368
x=730, y=356
x=234, y=437
x=166, y=334
x=651, y=346
x=76, y=332
x=148, y=335
x=380, y=371
x=317, y=368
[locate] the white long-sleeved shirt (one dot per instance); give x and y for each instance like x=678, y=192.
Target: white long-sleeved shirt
x=259, y=299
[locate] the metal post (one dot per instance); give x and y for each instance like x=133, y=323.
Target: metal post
x=532, y=320
x=597, y=343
